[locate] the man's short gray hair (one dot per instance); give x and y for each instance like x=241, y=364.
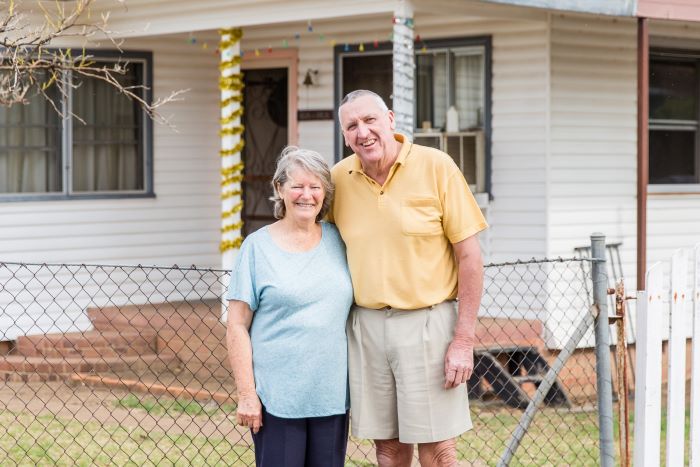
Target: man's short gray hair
x=351, y=96
x=293, y=157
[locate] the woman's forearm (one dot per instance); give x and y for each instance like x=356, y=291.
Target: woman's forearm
x=240, y=356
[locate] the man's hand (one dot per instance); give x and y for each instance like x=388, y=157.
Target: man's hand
x=249, y=412
x=459, y=363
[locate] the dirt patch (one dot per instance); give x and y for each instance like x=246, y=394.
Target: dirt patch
x=87, y=404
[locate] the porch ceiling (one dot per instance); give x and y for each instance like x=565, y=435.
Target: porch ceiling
x=156, y=17
x=477, y=10
x=602, y=7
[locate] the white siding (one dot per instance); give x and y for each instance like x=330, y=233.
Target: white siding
x=518, y=219
x=181, y=224
x=592, y=175
x=592, y=159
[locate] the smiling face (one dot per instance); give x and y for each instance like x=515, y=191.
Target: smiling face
x=368, y=130
x=302, y=194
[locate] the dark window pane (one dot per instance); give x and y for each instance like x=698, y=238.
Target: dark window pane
x=30, y=144
x=108, y=148
x=673, y=90
x=672, y=157
x=431, y=90
x=373, y=72
x=424, y=91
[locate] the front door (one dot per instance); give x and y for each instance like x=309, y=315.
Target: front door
x=265, y=119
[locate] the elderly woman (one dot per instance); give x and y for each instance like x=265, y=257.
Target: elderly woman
x=290, y=294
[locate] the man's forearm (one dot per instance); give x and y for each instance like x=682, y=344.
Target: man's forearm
x=470, y=287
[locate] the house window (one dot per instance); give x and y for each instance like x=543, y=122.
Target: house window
x=104, y=150
x=674, y=80
x=450, y=76
x=449, y=72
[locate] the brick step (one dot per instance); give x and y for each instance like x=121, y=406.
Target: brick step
x=501, y=332
x=48, y=367
x=88, y=344
x=172, y=316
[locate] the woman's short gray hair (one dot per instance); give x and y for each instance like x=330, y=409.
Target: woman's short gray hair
x=312, y=162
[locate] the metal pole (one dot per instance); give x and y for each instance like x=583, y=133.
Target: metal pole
x=602, y=350
x=642, y=147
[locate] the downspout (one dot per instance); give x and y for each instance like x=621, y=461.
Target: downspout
x=642, y=146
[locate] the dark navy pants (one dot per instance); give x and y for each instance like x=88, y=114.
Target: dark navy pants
x=301, y=442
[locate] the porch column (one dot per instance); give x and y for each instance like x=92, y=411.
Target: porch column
x=231, y=132
x=404, y=66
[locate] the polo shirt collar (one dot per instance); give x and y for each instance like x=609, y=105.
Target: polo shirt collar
x=405, y=148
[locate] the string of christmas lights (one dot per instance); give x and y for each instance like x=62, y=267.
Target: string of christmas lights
x=375, y=43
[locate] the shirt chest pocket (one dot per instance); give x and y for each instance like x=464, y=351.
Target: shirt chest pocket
x=421, y=216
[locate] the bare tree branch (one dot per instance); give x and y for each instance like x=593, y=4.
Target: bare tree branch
x=30, y=66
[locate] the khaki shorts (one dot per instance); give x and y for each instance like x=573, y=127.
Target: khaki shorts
x=397, y=375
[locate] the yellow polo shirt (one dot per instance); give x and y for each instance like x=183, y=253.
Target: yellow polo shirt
x=399, y=235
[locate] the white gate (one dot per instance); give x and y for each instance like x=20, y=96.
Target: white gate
x=650, y=332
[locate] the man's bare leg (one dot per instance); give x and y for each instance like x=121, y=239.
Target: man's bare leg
x=440, y=454
x=392, y=453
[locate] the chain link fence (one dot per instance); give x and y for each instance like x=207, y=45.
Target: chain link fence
x=127, y=365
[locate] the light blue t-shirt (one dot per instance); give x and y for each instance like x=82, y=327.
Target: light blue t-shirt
x=300, y=303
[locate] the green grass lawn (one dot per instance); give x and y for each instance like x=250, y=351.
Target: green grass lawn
x=556, y=437
x=47, y=440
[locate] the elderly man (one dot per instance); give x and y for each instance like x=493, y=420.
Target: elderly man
x=410, y=225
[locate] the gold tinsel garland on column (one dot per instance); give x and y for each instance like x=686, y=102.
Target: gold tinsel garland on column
x=231, y=86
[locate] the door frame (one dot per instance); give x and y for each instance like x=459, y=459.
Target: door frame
x=287, y=58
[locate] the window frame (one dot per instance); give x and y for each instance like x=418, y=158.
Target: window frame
x=430, y=45
x=677, y=55
x=66, y=134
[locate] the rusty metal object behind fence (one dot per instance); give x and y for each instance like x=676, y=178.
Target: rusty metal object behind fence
x=619, y=320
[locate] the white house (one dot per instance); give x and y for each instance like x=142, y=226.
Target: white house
x=546, y=91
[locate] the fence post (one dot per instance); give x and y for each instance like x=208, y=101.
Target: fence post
x=695, y=378
x=602, y=350
x=647, y=386
x=675, y=411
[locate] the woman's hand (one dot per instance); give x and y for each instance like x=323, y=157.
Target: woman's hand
x=249, y=412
